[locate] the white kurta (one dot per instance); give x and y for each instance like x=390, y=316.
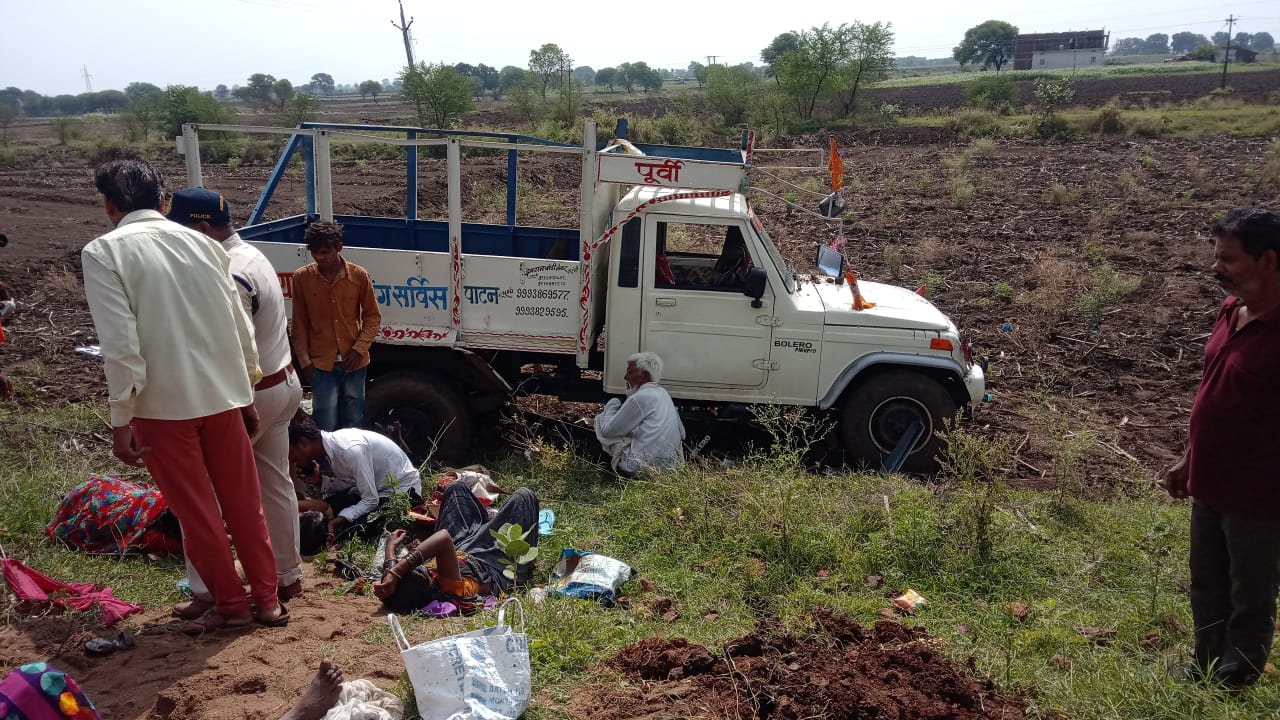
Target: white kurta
x=645, y=428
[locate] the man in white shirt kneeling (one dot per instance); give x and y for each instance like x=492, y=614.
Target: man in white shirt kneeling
x=367, y=466
x=644, y=431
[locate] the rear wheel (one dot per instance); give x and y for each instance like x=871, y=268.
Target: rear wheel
x=880, y=409
x=433, y=420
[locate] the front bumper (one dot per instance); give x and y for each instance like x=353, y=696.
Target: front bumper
x=975, y=383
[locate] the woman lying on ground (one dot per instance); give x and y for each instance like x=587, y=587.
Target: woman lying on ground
x=461, y=562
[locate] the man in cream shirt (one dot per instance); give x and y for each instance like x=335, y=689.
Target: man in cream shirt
x=644, y=431
x=181, y=363
x=276, y=396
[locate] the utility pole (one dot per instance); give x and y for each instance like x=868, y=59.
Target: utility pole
x=88, y=79
x=403, y=27
x=1226, y=56
x=711, y=60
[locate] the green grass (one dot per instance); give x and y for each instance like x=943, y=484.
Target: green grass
x=765, y=538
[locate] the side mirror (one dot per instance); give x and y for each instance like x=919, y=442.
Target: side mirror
x=754, y=284
x=830, y=262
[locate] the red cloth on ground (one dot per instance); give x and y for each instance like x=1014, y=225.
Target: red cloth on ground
x=31, y=585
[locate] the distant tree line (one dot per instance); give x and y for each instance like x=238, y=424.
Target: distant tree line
x=1189, y=43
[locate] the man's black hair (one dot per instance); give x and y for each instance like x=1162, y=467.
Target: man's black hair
x=322, y=233
x=313, y=529
x=1257, y=229
x=303, y=428
x=130, y=184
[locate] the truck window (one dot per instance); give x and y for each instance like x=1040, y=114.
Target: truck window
x=694, y=256
x=629, y=256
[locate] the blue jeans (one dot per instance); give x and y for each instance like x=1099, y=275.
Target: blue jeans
x=337, y=398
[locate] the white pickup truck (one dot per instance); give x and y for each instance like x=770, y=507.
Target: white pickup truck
x=472, y=312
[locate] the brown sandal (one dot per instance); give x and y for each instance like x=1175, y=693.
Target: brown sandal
x=212, y=620
x=192, y=609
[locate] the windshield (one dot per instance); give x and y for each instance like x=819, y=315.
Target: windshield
x=788, y=276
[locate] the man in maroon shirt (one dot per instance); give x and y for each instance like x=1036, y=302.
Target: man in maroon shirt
x=1231, y=469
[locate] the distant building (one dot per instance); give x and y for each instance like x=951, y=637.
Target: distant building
x=1042, y=51
x=1235, y=54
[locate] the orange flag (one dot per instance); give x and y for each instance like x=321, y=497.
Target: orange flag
x=859, y=302
x=837, y=168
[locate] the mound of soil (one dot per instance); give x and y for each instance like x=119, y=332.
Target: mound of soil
x=840, y=671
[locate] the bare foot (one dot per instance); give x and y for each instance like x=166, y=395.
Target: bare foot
x=321, y=696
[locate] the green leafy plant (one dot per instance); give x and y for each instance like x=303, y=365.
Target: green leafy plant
x=393, y=512
x=511, y=539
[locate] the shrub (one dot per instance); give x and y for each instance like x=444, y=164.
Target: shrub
x=982, y=147
x=893, y=260
x=68, y=129
x=993, y=92
x=1004, y=291
x=1107, y=120
x=1149, y=127
x=972, y=123
x=961, y=191
x=1059, y=194
x=1052, y=94
x=1107, y=288
x=675, y=129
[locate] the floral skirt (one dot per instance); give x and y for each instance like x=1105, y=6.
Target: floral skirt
x=39, y=691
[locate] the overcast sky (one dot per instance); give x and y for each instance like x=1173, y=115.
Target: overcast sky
x=45, y=43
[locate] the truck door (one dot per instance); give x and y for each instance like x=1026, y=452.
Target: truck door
x=694, y=313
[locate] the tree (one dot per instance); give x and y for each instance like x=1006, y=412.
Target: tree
x=10, y=98
x=990, y=43
x=585, y=74
x=1242, y=39
x=781, y=45
x=549, y=63
x=1262, y=42
x=146, y=102
x=1129, y=46
x=490, y=78
x=186, y=104
x=299, y=109
x=437, y=92
x=698, y=72
x=1157, y=43
x=1221, y=38
x=282, y=91
x=108, y=101
x=509, y=77
x=870, y=61
x=222, y=92
x=731, y=92
x=641, y=74
x=370, y=88
x=322, y=83
x=626, y=78
x=607, y=77
x=808, y=73
x=1185, y=43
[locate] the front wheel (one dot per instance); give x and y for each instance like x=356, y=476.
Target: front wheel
x=880, y=409
x=434, y=422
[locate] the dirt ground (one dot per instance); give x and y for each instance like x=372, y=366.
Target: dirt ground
x=1008, y=263
x=254, y=673
x=840, y=671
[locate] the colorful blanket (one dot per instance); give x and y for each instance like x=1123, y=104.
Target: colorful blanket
x=105, y=514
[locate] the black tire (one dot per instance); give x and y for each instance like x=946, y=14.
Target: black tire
x=434, y=422
x=880, y=408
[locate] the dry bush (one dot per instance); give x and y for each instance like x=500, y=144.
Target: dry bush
x=971, y=122
x=962, y=191
x=958, y=164
x=1059, y=194
x=1142, y=237
x=1055, y=286
x=1128, y=183
x=932, y=252
x=1269, y=174
x=982, y=147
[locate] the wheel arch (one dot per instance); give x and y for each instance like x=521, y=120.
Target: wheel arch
x=946, y=371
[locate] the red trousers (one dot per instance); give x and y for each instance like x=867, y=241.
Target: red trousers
x=201, y=465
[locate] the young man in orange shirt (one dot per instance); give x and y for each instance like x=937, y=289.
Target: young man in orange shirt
x=335, y=319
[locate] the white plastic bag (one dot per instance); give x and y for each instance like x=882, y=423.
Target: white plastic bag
x=480, y=675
